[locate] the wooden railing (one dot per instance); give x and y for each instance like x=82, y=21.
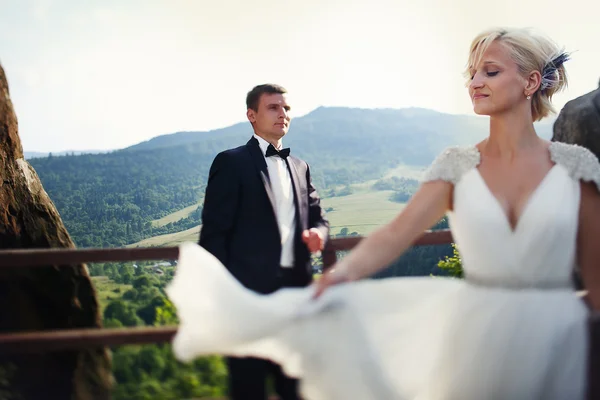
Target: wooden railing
x=44, y=341
x=79, y=338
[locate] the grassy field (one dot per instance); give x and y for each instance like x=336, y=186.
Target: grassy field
x=105, y=289
x=401, y=171
x=174, y=217
x=406, y=171
x=361, y=212
x=170, y=239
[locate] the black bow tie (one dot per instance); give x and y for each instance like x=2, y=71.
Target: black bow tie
x=283, y=153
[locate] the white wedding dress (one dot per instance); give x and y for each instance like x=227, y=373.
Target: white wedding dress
x=513, y=329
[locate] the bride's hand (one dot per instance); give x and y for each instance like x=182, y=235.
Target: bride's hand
x=333, y=276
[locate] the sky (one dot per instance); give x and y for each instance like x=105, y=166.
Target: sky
x=106, y=74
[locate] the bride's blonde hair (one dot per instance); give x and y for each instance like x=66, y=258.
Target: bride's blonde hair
x=531, y=51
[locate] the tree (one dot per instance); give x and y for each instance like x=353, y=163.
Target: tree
x=130, y=295
x=148, y=313
x=166, y=314
x=452, y=264
x=141, y=282
x=126, y=277
x=96, y=269
x=112, y=323
x=120, y=311
x=150, y=360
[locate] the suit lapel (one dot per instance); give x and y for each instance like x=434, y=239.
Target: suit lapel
x=261, y=167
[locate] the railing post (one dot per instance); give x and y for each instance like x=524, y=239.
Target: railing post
x=329, y=256
x=593, y=372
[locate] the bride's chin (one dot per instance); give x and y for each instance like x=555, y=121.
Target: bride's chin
x=479, y=111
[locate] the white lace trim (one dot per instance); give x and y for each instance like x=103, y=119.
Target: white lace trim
x=452, y=164
x=581, y=163
x=455, y=161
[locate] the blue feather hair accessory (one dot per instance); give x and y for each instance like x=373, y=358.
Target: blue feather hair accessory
x=549, y=76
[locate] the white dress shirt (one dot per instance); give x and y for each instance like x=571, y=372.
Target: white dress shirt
x=285, y=210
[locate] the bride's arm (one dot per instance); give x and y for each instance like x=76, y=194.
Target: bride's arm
x=386, y=244
x=589, y=242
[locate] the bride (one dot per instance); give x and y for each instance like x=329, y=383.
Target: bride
x=524, y=213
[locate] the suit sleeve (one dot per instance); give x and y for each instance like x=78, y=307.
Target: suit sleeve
x=316, y=215
x=220, y=205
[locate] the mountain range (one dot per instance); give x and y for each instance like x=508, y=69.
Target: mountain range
x=41, y=154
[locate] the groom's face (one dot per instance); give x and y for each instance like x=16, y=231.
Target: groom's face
x=272, y=118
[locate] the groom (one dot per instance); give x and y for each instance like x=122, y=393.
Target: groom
x=262, y=218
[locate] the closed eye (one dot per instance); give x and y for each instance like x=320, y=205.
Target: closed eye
x=494, y=73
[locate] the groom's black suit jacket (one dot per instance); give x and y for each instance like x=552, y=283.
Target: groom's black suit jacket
x=239, y=226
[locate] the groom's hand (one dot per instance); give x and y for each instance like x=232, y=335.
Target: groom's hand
x=313, y=238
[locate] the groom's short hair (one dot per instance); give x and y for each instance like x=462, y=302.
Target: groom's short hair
x=253, y=97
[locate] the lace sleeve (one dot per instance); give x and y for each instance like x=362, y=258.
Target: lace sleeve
x=451, y=164
x=581, y=163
